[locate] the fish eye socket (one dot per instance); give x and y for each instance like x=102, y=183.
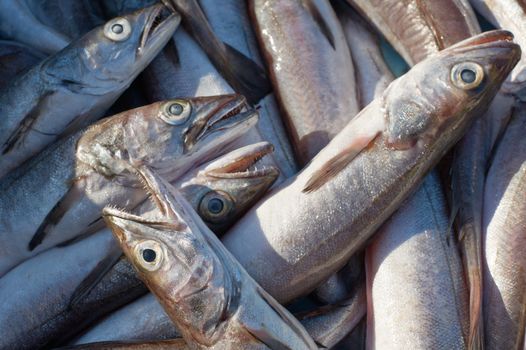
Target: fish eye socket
x=149, y=255
x=215, y=205
x=118, y=29
x=467, y=75
x=176, y=112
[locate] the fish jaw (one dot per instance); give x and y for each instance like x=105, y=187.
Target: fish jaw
x=156, y=34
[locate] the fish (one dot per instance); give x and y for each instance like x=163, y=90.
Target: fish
x=244, y=75
x=229, y=181
x=74, y=180
x=329, y=324
x=172, y=344
x=498, y=13
x=77, y=85
x=18, y=23
x=372, y=73
x=15, y=59
x=417, y=29
x=204, y=290
x=415, y=282
x=504, y=240
x=311, y=70
x=362, y=176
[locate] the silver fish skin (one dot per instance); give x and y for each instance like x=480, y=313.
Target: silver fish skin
x=228, y=179
x=499, y=14
x=74, y=181
x=504, y=240
x=15, y=59
x=417, y=29
x=77, y=85
x=189, y=72
x=172, y=344
x=310, y=67
x=415, y=287
x=230, y=21
x=331, y=323
x=404, y=132
x=18, y=23
x=191, y=270
x=372, y=74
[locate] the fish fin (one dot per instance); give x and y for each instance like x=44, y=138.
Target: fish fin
x=337, y=163
x=97, y=274
x=19, y=134
x=54, y=216
x=253, y=80
x=320, y=21
x=476, y=326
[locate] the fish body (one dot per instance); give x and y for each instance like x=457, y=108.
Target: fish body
x=206, y=293
x=415, y=286
x=77, y=85
x=226, y=181
x=15, y=58
x=417, y=29
x=73, y=181
x=310, y=67
x=504, y=240
x=342, y=197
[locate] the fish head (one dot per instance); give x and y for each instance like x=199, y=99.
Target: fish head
x=170, y=136
x=447, y=90
x=116, y=52
x=227, y=187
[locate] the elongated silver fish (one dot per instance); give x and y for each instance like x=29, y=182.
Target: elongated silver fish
x=73, y=181
x=415, y=284
x=504, y=240
x=311, y=70
x=419, y=28
x=229, y=183
x=207, y=294
x=341, y=198
x=78, y=84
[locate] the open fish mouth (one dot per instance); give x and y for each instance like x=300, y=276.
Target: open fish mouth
x=243, y=163
x=160, y=20
x=232, y=111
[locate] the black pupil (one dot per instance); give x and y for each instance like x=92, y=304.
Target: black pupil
x=117, y=28
x=468, y=76
x=149, y=255
x=176, y=109
x=215, y=205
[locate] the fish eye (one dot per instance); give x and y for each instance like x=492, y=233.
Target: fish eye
x=118, y=29
x=149, y=255
x=176, y=112
x=215, y=205
x=467, y=75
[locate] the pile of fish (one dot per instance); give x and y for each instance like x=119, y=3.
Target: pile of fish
x=262, y=174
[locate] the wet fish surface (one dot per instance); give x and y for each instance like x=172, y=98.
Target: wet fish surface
x=218, y=305
x=72, y=181
x=76, y=86
x=15, y=59
x=504, y=240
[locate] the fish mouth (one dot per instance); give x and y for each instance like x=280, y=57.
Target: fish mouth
x=160, y=25
x=243, y=163
x=228, y=114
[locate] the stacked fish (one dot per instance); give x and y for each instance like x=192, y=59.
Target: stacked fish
x=268, y=174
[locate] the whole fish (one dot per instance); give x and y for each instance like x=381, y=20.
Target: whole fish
x=509, y=15
x=15, y=59
x=73, y=181
x=78, y=84
x=18, y=23
x=418, y=28
x=229, y=183
x=504, y=240
x=311, y=70
x=206, y=293
x=415, y=283
x=342, y=197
